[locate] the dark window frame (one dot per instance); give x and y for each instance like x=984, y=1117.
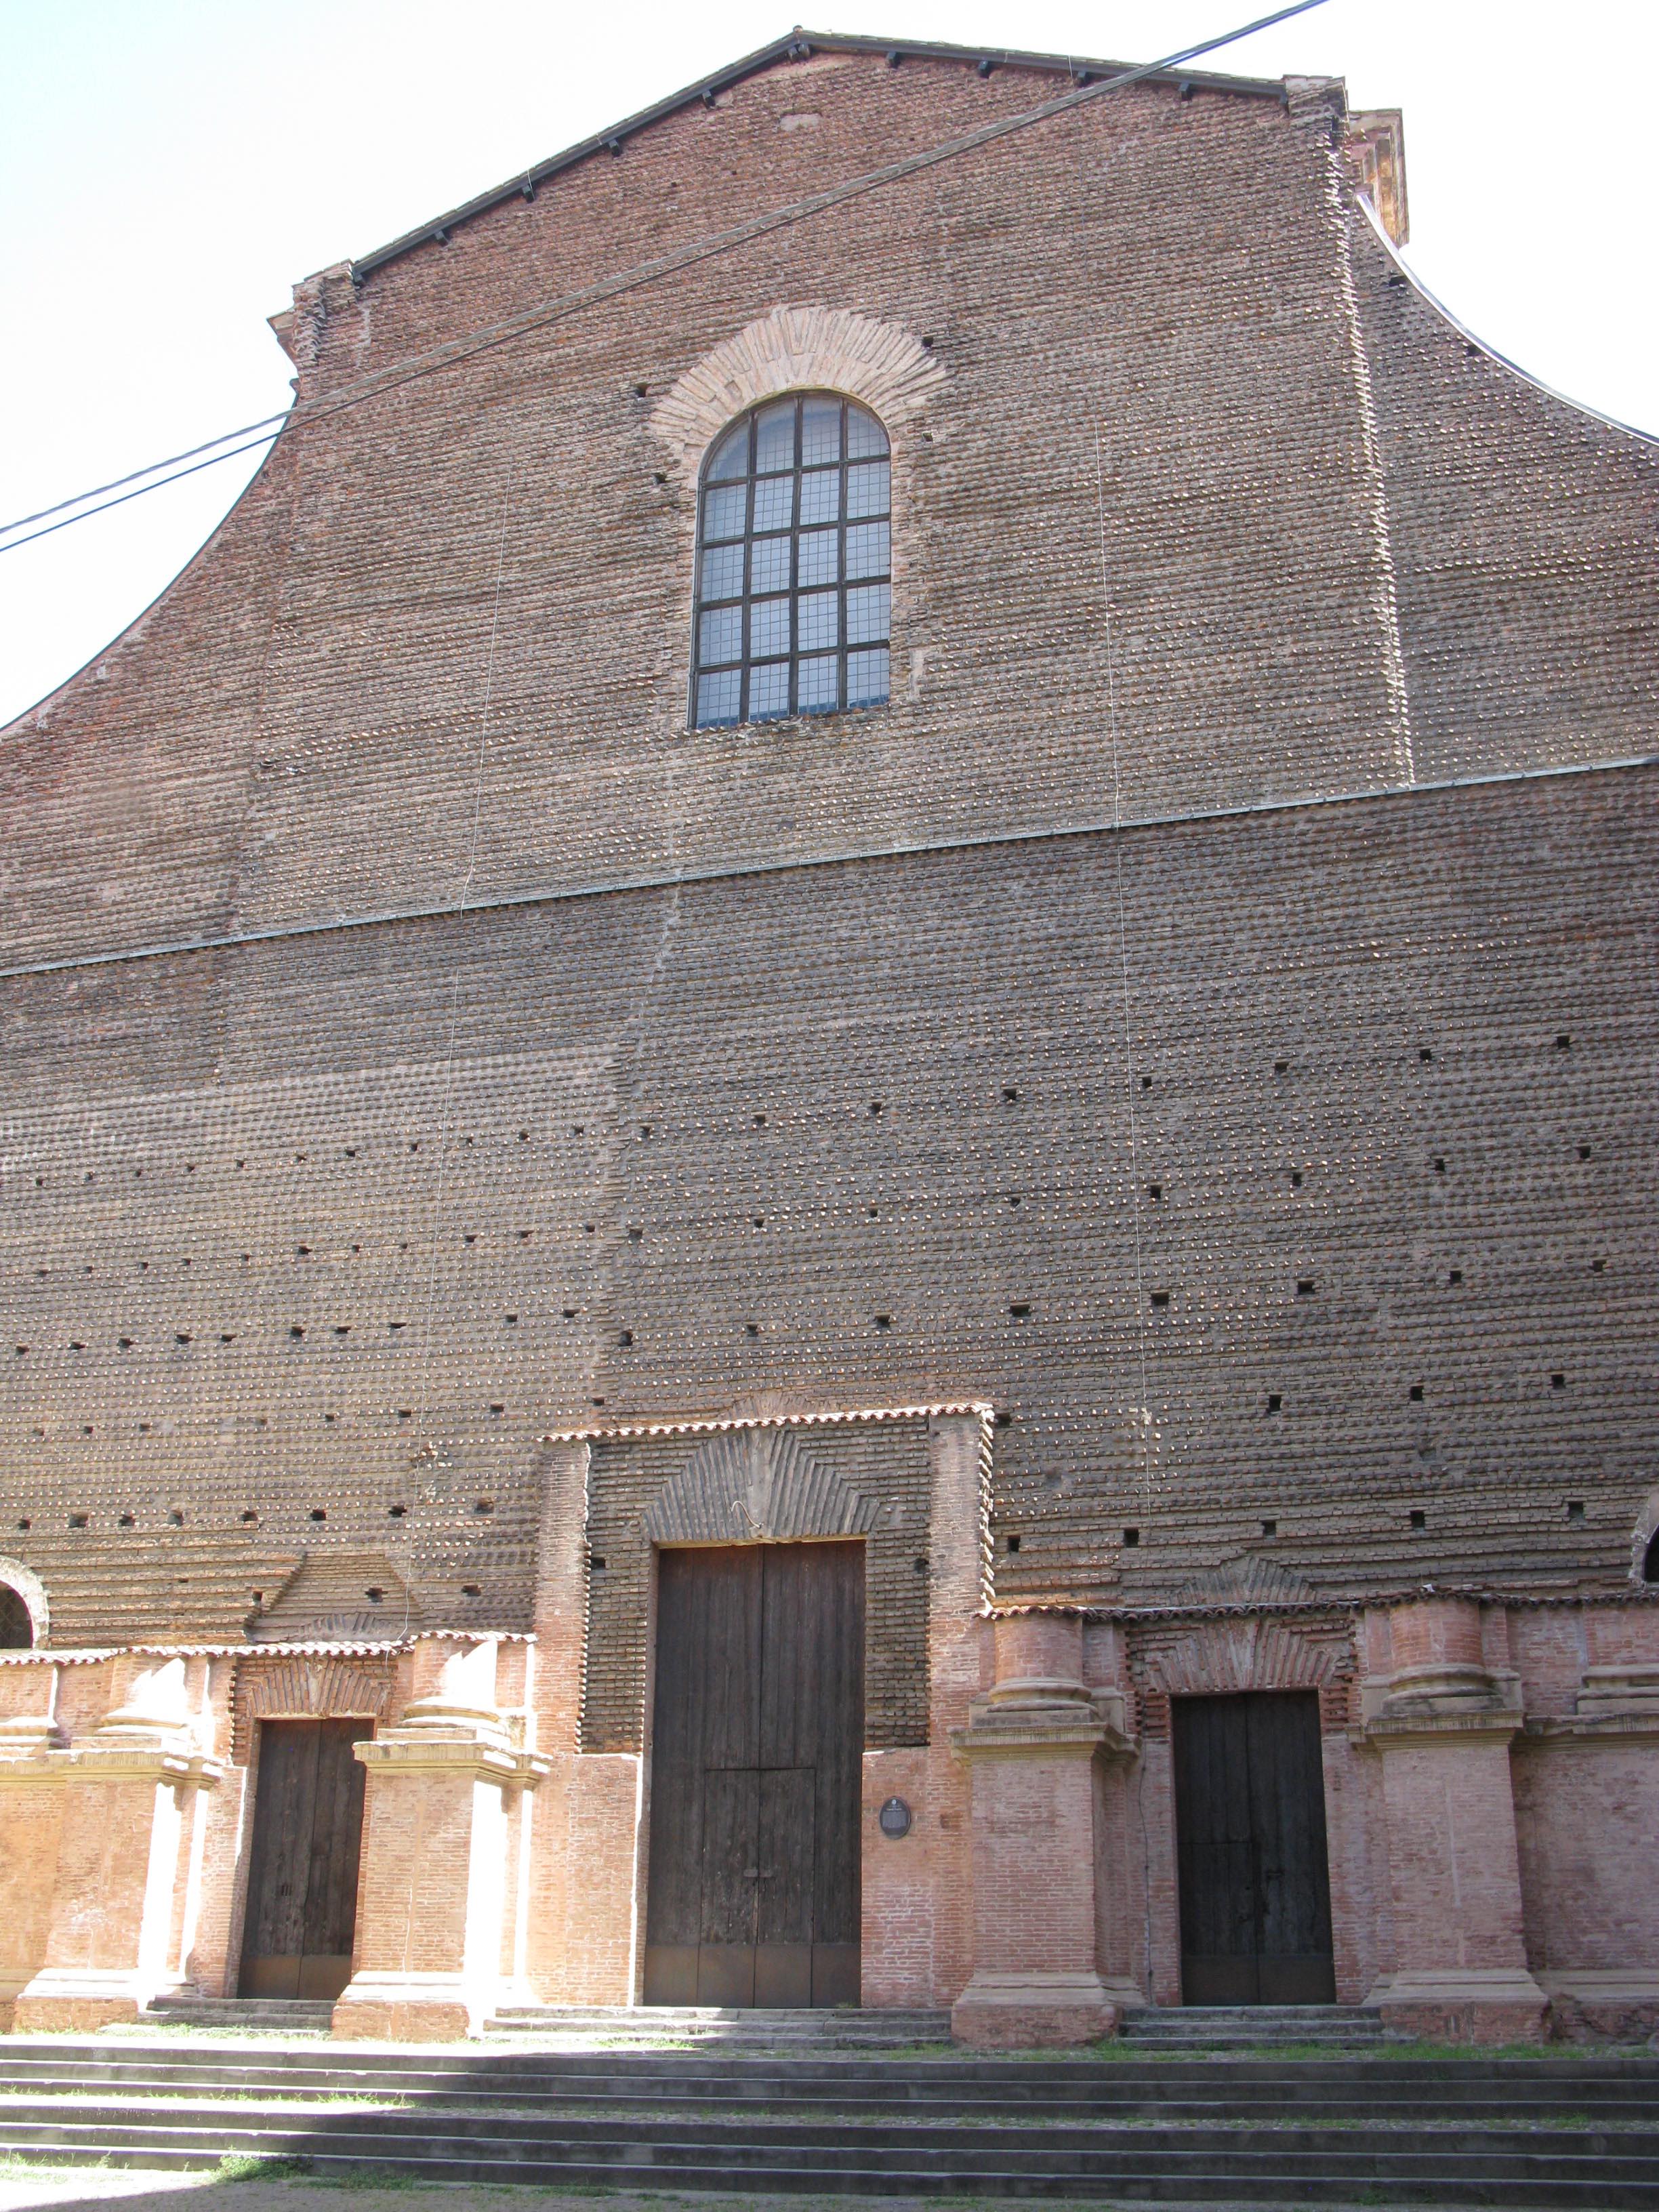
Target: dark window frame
x=745, y=600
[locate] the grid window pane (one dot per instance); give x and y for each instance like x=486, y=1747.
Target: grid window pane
x=868, y=551
x=820, y=431
x=866, y=678
x=775, y=503
x=774, y=438
x=820, y=620
x=820, y=497
x=820, y=685
x=865, y=435
x=768, y=628
x=769, y=567
x=866, y=614
x=793, y=554
x=769, y=691
x=723, y=512
x=720, y=636
x=867, y=488
x=820, y=557
x=731, y=455
x=722, y=572
x=718, y=698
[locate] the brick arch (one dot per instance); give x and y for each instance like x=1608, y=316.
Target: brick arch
x=756, y=1485
x=1226, y=1656
x=33, y=1592
x=795, y=349
x=299, y=1687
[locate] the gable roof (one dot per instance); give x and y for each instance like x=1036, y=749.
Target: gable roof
x=795, y=45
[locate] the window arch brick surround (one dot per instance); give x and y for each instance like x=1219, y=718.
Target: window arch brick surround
x=885, y=368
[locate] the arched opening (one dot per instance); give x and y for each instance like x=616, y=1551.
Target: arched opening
x=1650, y=1560
x=16, y=1625
x=793, y=561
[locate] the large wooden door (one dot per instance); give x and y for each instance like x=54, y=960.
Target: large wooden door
x=1255, y=1880
x=302, y=1875
x=757, y=1751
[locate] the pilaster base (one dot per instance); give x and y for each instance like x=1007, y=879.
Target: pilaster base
x=1021, y=2011
x=77, y=2001
x=388, y=2008
x=1463, y=2004
x=1603, y=2007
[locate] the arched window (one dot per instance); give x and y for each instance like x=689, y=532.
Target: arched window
x=16, y=1625
x=1650, y=1560
x=794, y=562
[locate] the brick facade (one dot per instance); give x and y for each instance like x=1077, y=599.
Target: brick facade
x=1206, y=1018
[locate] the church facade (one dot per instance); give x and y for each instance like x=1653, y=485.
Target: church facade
x=827, y=1147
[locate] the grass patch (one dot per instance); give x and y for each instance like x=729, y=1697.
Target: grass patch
x=260, y=2165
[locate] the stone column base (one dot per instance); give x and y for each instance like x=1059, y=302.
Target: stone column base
x=77, y=2000
x=386, y=2008
x=1463, y=2004
x=1021, y=2011
x=1603, y=2007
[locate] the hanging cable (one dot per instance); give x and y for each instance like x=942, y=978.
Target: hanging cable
x=104, y=505
x=172, y=460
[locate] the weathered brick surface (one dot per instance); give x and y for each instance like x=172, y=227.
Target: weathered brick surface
x=1475, y=926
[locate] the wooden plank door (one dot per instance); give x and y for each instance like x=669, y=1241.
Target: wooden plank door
x=1254, y=1873
x=753, y=1898
x=302, y=1874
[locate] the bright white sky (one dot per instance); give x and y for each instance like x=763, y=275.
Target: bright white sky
x=168, y=168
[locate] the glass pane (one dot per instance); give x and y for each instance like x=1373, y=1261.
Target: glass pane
x=720, y=636
x=770, y=565
x=866, y=678
x=864, y=434
x=866, y=614
x=722, y=573
x=820, y=431
x=818, y=558
x=866, y=488
x=717, y=698
x=731, y=456
x=769, y=691
x=819, y=688
x=774, y=438
x=775, y=502
x=723, y=512
x=820, y=497
x=818, y=620
x=868, y=552
x=768, y=628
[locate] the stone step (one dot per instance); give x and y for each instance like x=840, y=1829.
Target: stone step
x=281, y=2016
x=1174, y=2093
x=778, y=2029
x=1237, y=2026
x=1254, y=2165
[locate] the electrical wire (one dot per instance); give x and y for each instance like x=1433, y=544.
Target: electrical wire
x=105, y=505
x=116, y=482
x=465, y=349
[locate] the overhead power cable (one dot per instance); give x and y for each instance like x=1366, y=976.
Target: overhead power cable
x=172, y=460
x=482, y=340
x=104, y=505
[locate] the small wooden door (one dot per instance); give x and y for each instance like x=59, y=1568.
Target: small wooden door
x=756, y=1753
x=1255, y=1880
x=302, y=1875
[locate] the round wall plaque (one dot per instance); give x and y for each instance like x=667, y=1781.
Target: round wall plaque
x=894, y=1817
